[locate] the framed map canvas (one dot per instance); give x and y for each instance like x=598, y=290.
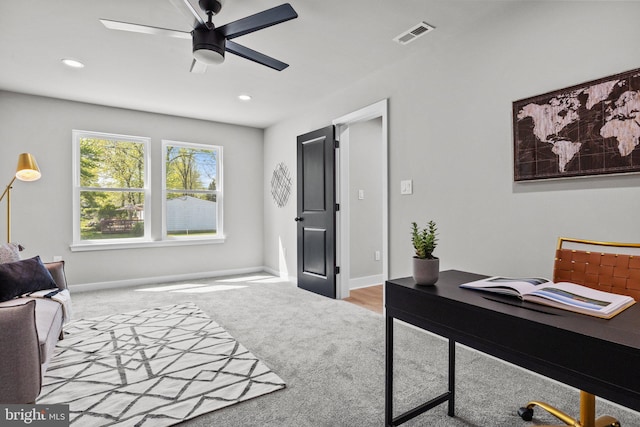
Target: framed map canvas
x=588, y=129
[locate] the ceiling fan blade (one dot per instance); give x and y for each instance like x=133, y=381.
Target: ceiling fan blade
x=145, y=29
x=198, y=67
x=252, y=55
x=264, y=19
x=189, y=11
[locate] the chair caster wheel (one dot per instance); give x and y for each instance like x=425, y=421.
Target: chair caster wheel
x=525, y=413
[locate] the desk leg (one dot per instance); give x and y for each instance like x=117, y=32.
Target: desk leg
x=452, y=377
x=389, y=421
x=388, y=378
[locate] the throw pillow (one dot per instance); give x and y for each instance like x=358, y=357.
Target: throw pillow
x=9, y=252
x=21, y=277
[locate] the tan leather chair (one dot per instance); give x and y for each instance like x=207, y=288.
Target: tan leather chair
x=606, y=266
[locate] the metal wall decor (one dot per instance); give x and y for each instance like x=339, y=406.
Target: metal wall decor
x=280, y=185
x=589, y=129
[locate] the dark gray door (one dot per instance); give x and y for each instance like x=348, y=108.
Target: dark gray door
x=317, y=212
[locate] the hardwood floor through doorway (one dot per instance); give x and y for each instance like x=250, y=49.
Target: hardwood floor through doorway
x=369, y=297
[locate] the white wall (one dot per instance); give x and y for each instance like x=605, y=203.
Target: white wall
x=42, y=210
x=365, y=217
x=450, y=131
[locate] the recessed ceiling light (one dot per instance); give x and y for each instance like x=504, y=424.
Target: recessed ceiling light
x=244, y=97
x=72, y=63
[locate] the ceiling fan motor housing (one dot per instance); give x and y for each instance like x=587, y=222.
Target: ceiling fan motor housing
x=212, y=6
x=208, y=46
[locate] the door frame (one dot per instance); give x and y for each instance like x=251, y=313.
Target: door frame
x=376, y=110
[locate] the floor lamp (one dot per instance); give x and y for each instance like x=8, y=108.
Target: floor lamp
x=27, y=170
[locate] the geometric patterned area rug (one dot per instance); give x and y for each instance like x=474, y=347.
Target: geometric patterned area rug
x=154, y=367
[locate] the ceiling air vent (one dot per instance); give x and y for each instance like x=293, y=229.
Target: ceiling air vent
x=413, y=33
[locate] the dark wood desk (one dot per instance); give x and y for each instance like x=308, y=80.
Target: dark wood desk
x=596, y=355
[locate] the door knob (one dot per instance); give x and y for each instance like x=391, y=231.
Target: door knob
x=299, y=218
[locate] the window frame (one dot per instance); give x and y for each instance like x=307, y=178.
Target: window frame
x=219, y=236
x=92, y=244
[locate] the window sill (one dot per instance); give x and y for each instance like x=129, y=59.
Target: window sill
x=107, y=246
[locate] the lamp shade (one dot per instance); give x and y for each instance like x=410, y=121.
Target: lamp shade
x=27, y=169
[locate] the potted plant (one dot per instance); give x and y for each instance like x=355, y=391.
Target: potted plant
x=425, y=266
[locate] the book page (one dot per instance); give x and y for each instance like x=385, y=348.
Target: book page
x=506, y=285
x=581, y=296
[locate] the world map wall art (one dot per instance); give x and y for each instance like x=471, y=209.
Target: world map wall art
x=588, y=129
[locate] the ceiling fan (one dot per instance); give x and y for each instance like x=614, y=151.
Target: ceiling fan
x=211, y=43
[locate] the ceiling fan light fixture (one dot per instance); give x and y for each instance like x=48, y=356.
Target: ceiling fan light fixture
x=208, y=46
x=208, y=56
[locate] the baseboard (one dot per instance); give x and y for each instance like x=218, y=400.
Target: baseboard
x=365, y=282
x=271, y=271
x=288, y=278
x=96, y=286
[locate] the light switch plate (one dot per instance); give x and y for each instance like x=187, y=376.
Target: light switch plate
x=406, y=187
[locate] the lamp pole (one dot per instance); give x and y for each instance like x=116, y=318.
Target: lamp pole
x=7, y=192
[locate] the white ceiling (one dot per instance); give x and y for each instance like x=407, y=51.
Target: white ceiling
x=331, y=45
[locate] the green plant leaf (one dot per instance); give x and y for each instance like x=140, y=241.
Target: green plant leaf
x=424, y=240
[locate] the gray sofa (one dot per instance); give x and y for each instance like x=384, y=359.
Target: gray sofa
x=29, y=331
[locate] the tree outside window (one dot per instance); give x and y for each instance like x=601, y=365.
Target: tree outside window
x=192, y=190
x=111, y=186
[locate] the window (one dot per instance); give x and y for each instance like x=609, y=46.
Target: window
x=112, y=193
x=111, y=188
x=192, y=190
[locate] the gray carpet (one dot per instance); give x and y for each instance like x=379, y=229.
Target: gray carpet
x=331, y=355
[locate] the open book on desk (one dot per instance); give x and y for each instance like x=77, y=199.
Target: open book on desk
x=564, y=295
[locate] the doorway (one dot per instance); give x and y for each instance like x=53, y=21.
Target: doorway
x=354, y=132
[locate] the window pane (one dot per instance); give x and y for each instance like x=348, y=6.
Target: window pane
x=111, y=214
x=191, y=214
x=190, y=168
x=110, y=163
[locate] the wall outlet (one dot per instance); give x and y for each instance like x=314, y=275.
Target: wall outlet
x=406, y=187
x=360, y=194
x=57, y=258
x=376, y=255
